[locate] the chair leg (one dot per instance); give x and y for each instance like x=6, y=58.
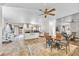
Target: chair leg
x=69, y=47
x=51, y=48
x=46, y=44
x=66, y=49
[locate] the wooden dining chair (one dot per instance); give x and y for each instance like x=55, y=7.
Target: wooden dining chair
x=66, y=41
x=47, y=37
x=63, y=40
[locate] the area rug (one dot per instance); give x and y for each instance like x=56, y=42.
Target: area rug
x=34, y=48
x=41, y=50
x=38, y=48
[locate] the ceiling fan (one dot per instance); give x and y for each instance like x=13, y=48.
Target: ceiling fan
x=47, y=12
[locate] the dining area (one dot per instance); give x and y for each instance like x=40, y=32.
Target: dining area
x=58, y=41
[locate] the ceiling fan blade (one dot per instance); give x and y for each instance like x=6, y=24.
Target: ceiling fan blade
x=52, y=10
x=46, y=10
x=51, y=14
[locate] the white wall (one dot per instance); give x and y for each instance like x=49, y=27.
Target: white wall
x=64, y=21
x=74, y=26
x=0, y=25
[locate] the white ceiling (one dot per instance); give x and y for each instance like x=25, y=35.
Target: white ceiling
x=62, y=9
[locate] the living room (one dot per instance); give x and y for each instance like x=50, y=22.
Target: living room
x=26, y=28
